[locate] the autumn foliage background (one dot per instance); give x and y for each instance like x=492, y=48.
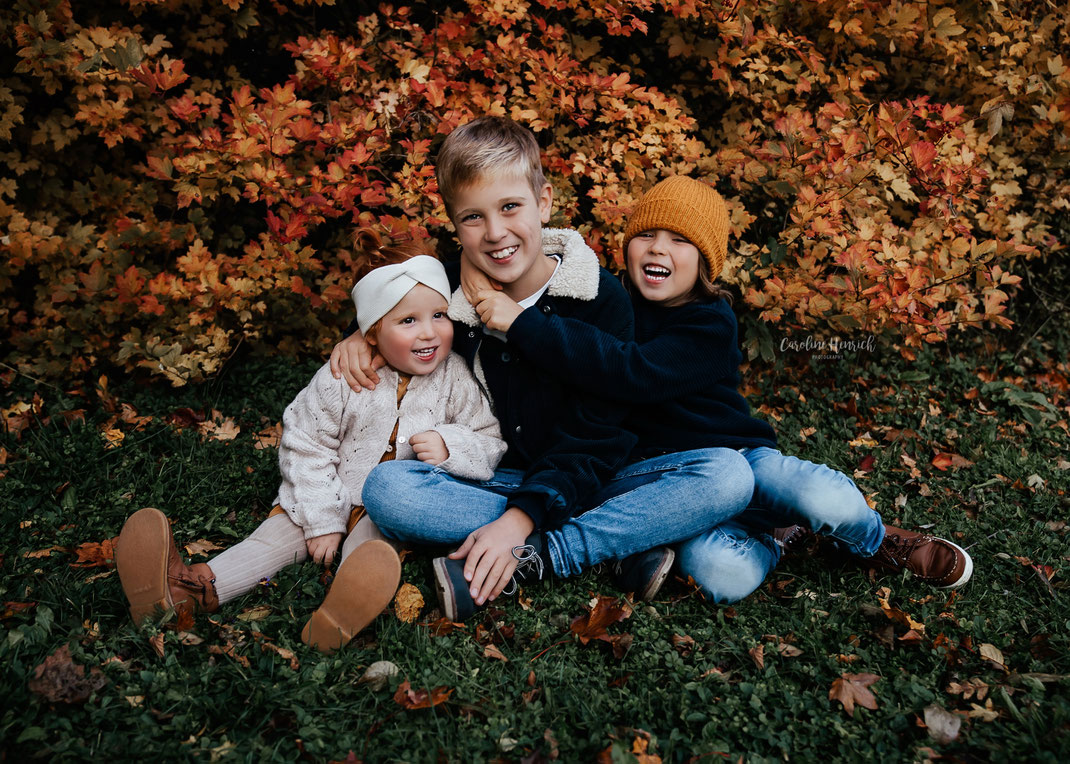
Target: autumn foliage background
x=181, y=178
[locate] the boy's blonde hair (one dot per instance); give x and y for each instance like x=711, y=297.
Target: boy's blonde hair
x=483, y=146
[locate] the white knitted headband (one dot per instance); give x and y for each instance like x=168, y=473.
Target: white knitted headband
x=376, y=294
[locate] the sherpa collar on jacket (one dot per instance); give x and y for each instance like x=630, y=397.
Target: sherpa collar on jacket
x=576, y=277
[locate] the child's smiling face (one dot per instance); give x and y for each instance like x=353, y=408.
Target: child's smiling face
x=499, y=222
x=416, y=335
x=664, y=266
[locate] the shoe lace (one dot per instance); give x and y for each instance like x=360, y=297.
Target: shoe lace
x=895, y=550
x=527, y=561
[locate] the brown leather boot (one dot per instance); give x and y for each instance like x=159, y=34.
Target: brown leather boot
x=362, y=588
x=794, y=540
x=934, y=560
x=152, y=573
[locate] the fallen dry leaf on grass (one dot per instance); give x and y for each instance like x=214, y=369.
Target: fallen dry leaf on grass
x=60, y=680
x=992, y=653
x=255, y=613
x=491, y=651
x=408, y=603
x=47, y=552
x=156, y=640
x=95, y=554
x=201, y=546
x=378, y=674
x=410, y=699
x=850, y=689
x=943, y=725
x=757, y=654
x=268, y=437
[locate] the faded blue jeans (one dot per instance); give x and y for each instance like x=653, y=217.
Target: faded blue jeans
x=650, y=503
x=731, y=560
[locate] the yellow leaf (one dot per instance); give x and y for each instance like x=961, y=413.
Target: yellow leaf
x=113, y=437
x=408, y=603
x=992, y=653
x=255, y=614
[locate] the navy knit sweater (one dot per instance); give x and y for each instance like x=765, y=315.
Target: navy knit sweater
x=680, y=375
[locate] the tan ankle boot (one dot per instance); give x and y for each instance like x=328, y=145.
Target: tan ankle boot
x=152, y=573
x=362, y=588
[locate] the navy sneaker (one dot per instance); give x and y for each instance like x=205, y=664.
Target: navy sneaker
x=644, y=573
x=454, y=595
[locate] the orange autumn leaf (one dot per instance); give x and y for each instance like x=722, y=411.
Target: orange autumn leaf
x=411, y=700
x=605, y=612
x=851, y=689
x=95, y=554
x=408, y=603
x=944, y=461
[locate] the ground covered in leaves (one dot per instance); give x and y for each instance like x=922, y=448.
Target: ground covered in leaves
x=826, y=661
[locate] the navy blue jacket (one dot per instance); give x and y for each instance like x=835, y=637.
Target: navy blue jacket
x=569, y=441
x=680, y=376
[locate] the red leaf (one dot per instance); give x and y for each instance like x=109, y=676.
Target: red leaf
x=413, y=699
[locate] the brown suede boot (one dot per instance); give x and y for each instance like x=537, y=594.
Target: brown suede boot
x=152, y=573
x=934, y=560
x=365, y=583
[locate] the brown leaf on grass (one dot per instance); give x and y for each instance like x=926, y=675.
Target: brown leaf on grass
x=411, y=700
x=895, y=614
x=46, y=552
x=850, y=689
x=789, y=651
x=184, y=417
x=60, y=680
x=201, y=546
x=283, y=653
x=443, y=626
x=128, y=414
x=113, y=437
x=408, y=603
x=13, y=608
x=986, y=713
x=229, y=651
x=156, y=641
x=943, y=461
x=992, y=653
x=757, y=654
x=492, y=651
x=604, y=612
x=268, y=437
x=95, y=554
x=258, y=613
x=970, y=688
x=684, y=644
x=218, y=428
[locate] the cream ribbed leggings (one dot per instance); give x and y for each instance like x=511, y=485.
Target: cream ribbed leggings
x=276, y=543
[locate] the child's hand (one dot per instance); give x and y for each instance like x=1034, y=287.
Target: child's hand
x=429, y=447
x=356, y=360
x=488, y=553
x=496, y=309
x=474, y=281
x=322, y=548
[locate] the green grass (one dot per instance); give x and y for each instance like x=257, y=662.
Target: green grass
x=62, y=486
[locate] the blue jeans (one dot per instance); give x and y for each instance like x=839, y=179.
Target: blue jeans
x=731, y=560
x=650, y=503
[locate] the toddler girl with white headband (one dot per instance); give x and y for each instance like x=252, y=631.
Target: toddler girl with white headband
x=428, y=408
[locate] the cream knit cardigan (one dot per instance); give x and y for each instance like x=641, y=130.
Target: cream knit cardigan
x=332, y=437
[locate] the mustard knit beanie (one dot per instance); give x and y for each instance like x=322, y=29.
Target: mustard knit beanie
x=690, y=208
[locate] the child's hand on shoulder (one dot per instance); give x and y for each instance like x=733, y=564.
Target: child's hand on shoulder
x=429, y=447
x=356, y=360
x=474, y=281
x=323, y=548
x=497, y=310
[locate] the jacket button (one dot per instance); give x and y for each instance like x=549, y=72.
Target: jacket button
x=546, y=309
x=471, y=335
x=401, y=439
x=506, y=358
x=389, y=448
x=517, y=429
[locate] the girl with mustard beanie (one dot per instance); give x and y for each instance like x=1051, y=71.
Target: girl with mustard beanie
x=680, y=377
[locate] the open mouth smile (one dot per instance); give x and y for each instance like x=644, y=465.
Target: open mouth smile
x=656, y=273
x=502, y=254
x=425, y=354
